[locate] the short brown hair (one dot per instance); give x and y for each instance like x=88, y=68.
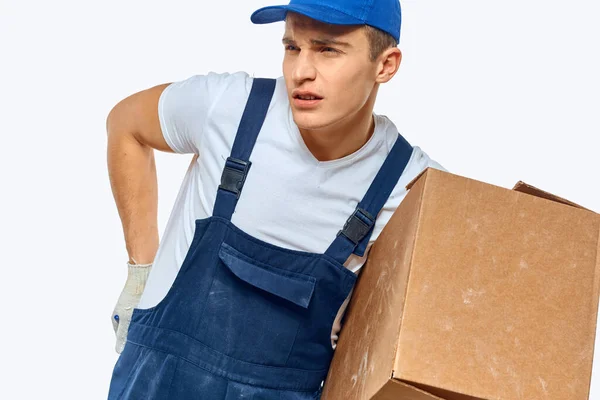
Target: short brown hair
x=379, y=41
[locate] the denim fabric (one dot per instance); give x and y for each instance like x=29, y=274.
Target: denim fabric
x=244, y=319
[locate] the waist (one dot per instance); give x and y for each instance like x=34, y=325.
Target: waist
x=197, y=353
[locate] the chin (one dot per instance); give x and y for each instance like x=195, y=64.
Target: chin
x=309, y=121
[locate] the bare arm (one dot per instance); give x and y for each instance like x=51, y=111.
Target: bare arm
x=133, y=130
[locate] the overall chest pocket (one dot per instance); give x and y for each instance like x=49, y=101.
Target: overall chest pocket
x=253, y=310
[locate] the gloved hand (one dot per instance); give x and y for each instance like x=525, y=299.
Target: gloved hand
x=137, y=274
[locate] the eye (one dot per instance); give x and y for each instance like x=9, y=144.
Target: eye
x=289, y=47
x=330, y=50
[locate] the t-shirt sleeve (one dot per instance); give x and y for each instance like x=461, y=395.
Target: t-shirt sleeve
x=419, y=162
x=434, y=164
x=185, y=106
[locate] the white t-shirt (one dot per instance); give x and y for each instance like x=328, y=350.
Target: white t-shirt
x=290, y=199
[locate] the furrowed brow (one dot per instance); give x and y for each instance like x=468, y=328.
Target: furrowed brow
x=319, y=42
x=329, y=41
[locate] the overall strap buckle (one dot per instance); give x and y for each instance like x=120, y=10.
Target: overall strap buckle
x=234, y=175
x=358, y=225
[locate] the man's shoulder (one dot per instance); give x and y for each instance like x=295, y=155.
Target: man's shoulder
x=238, y=79
x=214, y=84
x=224, y=89
x=419, y=159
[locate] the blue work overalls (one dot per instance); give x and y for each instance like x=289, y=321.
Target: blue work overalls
x=245, y=319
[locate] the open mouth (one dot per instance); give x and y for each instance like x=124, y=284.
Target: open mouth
x=307, y=97
x=306, y=100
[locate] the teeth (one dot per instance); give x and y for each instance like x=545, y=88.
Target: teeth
x=307, y=97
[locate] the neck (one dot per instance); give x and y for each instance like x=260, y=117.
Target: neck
x=344, y=138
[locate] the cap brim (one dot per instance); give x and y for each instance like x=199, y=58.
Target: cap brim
x=269, y=14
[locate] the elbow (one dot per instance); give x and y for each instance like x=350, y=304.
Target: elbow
x=119, y=121
x=112, y=119
x=108, y=121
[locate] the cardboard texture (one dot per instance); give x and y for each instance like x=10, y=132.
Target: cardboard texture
x=473, y=292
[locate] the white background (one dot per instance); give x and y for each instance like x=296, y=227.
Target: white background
x=499, y=91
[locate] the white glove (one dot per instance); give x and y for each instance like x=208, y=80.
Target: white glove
x=137, y=274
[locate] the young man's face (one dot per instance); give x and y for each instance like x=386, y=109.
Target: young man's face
x=342, y=76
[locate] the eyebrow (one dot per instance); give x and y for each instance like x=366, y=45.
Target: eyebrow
x=319, y=42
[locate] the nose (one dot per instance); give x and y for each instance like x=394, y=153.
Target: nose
x=304, y=68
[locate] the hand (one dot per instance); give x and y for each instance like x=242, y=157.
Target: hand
x=137, y=274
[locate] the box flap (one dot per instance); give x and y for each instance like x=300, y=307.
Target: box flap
x=434, y=392
x=394, y=390
x=532, y=190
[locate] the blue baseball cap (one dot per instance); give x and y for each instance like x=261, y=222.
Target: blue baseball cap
x=381, y=14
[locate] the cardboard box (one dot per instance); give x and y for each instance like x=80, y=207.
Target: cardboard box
x=473, y=291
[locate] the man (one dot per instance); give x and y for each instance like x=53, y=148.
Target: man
x=245, y=295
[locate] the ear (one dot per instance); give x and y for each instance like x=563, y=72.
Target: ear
x=388, y=64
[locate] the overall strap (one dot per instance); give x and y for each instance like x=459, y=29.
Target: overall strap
x=354, y=236
x=238, y=163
